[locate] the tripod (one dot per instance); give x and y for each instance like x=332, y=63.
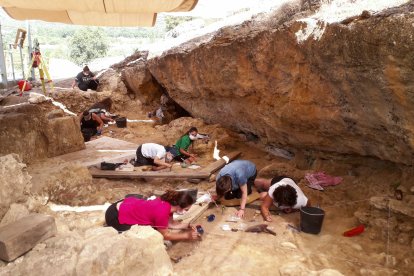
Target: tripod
x=37, y=62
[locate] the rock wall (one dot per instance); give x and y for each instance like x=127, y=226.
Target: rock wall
x=98, y=251
x=35, y=131
x=14, y=182
x=349, y=91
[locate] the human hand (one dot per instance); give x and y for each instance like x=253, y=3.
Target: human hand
x=193, y=234
x=240, y=213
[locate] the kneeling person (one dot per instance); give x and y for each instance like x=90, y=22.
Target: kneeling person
x=235, y=180
x=91, y=124
x=284, y=194
x=154, y=155
x=157, y=213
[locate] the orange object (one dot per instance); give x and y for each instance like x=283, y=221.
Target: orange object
x=21, y=84
x=355, y=231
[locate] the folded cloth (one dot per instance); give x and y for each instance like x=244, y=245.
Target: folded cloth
x=319, y=180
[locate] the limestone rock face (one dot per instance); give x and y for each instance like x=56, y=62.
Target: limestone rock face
x=70, y=184
x=99, y=251
x=14, y=182
x=349, y=92
x=16, y=212
x=32, y=133
x=140, y=82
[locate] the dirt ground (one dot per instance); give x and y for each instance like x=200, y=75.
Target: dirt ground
x=288, y=253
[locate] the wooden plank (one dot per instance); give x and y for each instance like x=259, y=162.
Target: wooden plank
x=213, y=167
x=236, y=201
x=152, y=174
x=198, y=174
x=118, y=159
x=193, y=214
x=22, y=235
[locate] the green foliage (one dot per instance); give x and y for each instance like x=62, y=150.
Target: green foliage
x=87, y=44
x=173, y=21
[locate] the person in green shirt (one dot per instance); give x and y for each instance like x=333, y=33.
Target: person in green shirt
x=183, y=144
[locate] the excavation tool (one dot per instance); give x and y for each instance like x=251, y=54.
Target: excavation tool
x=259, y=229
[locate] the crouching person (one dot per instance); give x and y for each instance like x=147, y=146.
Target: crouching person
x=156, y=213
x=91, y=124
x=155, y=155
x=284, y=194
x=236, y=180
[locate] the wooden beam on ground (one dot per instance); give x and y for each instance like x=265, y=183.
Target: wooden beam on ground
x=18, y=237
x=213, y=167
x=193, y=214
x=236, y=201
x=95, y=172
x=204, y=173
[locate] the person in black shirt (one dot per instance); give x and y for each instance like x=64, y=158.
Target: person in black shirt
x=86, y=80
x=91, y=124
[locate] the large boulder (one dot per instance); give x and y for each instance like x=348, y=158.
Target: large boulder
x=32, y=132
x=14, y=182
x=140, y=82
x=98, y=251
x=345, y=89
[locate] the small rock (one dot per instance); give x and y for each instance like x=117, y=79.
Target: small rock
x=168, y=244
x=356, y=246
x=390, y=260
x=404, y=238
x=57, y=113
x=129, y=136
x=288, y=245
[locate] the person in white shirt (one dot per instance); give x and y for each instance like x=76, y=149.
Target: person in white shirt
x=155, y=155
x=284, y=194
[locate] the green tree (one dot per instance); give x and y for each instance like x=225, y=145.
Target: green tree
x=173, y=21
x=87, y=44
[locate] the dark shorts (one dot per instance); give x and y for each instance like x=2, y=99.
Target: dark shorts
x=277, y=179
x=111, y=218
x=141, y=160
x=238, y=193
x=93, y=85
x=87, y=133
x=181, y=158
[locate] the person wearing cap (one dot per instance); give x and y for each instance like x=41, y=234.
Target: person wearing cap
x=86, y=80
x=91, y=124
x=155, y=155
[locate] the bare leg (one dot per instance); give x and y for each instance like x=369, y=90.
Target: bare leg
x=262, y=184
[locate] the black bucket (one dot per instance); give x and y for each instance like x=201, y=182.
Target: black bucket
x=311, y=219
x=121, y=122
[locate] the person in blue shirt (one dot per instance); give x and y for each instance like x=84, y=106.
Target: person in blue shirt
x=235, y=180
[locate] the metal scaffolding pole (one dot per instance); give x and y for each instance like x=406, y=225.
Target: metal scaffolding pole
x=2, y=62
x=11, y=60
x=29, y=37
x=22, y=62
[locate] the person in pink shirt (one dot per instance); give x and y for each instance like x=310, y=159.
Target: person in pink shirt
x=156, y=213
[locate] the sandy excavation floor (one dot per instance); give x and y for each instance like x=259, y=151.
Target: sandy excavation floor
x=289, y=253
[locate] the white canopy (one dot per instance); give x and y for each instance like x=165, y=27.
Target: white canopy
x=121, y=13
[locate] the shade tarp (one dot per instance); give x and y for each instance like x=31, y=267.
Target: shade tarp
x=122, y=13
